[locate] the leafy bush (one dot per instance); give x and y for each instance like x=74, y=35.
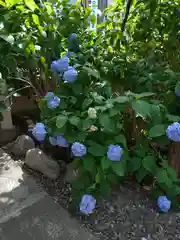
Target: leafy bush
x=105, y=94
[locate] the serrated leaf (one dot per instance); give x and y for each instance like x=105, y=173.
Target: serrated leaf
x=74, y=120
x=149, y=163
x=157, y=131
x=145, y=94
x=7, y=38
x=61, y=121
x=142, y=108
x=87, y=102
x=173, y=118
x=107, y=122
x=92, y=72
x=121, y=99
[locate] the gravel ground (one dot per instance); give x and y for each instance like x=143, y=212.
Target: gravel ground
x=128, y=214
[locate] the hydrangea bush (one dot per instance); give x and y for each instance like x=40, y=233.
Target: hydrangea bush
x=96, y=88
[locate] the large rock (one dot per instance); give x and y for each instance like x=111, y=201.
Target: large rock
x=22, y=144
x=37, y=160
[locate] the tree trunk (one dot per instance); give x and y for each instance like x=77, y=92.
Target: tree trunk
x=174, y=157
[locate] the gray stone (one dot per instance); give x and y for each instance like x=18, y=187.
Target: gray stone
x=71, y=174
x=37, y=160
x=22, y=144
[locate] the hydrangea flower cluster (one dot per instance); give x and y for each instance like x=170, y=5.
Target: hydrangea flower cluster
x=78, y=149
x=39, y=132
x=52, y=100
x=61, y=66
x=87, y=204
x=173, y=132
x=58, y=140
x=163, y=203
x=115, y=152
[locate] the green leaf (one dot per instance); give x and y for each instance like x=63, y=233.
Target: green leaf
x=119, y=168
x=2, y=3
x=104, y=188
x=172, y=173
x=74, y=120
x=142, y=108
x=121, y=99
x=86, y=124
x=145, y=94
x=141, y=174
x=7, y=38
x=11, y=3
x=92, y=72
x=149, y=163
x=161, y=176
x=89, y=163
x=97, y=150
x=107, y=122
x=77, y=88
x=134, y=164
x=87, y=102
x=35, y=19
x=121, y=140
x=61, y=121
x=31, y=4
x=105, y=163
x=157, y=131
x=173, y=118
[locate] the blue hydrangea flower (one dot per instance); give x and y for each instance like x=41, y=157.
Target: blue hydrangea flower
x=177, y=91
x=78, y=149
x=163, y=203
x=61, y=141
x=70, y=75
x=115, y=152
x=72, y=37
x=49, y=96
x=53, y=103
x=53, y=141
x=87, y=204
x=54, y=66
x=39, y=132
x=60, y=65
x=173, y=132
x=58, y=141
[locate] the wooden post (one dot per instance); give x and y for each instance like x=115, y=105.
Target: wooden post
x=174, y=157
x=7, y=130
